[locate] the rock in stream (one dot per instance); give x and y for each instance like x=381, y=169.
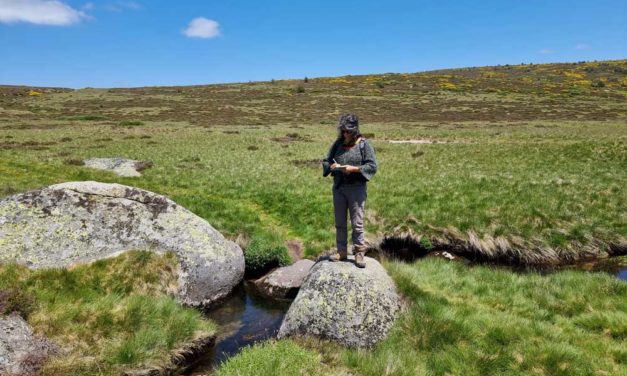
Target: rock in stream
x=338, y=301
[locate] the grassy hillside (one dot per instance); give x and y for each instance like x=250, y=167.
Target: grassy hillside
x=528, y=162
x=585, y=91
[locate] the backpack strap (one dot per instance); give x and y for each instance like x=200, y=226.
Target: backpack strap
x=362, y=146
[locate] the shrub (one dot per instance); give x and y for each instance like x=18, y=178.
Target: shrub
x=300, y=89
x=130, y=123
x=16, y=300
x=263, y=255
x=85, y=117
x=73, y=162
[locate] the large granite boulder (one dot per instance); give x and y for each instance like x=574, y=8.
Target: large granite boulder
x=338, y=301
x=21, y=352
x=79, y=222
x=284, y=283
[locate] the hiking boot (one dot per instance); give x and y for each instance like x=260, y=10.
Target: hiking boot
x=360, y=252
x=359, y=260
x=338, y=256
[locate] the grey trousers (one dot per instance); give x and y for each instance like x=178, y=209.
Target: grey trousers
x=351, y=199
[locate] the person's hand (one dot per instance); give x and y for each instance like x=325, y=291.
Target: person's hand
x=351, y=169
x=334, y=166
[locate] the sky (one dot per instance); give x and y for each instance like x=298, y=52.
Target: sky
x=120, y=43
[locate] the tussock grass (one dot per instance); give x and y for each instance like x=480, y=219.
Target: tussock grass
x=108, y=316
x=275, y=358
x=263, y=254
x=484, y=321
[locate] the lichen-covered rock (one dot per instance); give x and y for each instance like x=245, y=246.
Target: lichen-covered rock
x=283, y=283
x=78, y=222
x=120, y=166
x=21, y=352
x=338, y=301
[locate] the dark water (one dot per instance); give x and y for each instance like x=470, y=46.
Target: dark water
x=616, y=266
x=243, y=319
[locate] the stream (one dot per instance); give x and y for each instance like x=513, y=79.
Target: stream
x=243, y=319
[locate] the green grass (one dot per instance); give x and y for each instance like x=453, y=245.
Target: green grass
x=108, y=316
x=263, y=254
x=274, y=358
x=483, y=321
x=462, y=320
x=537, y=185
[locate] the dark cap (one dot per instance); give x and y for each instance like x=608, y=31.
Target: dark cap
x=348, y=122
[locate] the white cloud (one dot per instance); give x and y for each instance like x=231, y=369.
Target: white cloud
x=40, y=12
x=202, y=28
x=120, y=6
x=582, y=46
x=545, y=51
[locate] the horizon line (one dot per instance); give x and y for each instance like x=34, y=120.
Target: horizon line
x=300, y=79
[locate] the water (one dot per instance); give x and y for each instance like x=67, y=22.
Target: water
x=616, y=266
x=243, y=319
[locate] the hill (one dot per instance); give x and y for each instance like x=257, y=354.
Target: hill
x=567, y=91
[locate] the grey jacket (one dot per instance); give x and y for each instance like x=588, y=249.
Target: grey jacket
x=362, y=156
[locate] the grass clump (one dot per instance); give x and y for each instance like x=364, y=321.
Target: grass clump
x=108, y=316
x=264, y=254
x=274, y=358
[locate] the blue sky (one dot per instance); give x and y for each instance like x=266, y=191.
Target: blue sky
x=119, y=43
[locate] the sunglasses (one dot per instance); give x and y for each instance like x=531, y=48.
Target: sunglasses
x=345, y=131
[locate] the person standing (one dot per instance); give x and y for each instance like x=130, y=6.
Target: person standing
x=352, y=163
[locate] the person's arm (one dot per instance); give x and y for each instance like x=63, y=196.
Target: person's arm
x=328, y=161
x=369, y=166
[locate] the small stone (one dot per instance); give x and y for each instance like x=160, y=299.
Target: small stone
x=284, y=283
x=120, y=166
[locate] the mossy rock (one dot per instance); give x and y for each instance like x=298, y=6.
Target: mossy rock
x=80, y=222
x=338, y=301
